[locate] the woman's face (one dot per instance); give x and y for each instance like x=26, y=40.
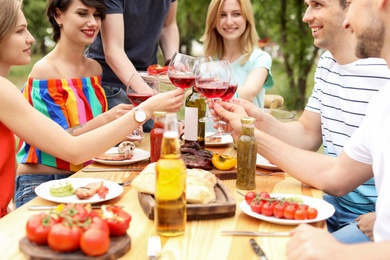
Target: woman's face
x=79, y=23
x=231, y=22
x=16, y=50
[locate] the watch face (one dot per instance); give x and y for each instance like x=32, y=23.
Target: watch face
x=140, y=115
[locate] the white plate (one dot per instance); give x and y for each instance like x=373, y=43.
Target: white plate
x=139, y=155
x=226, y=139
x=145, y=75
x=325, y=210
x=264, y=163
x=43, y=190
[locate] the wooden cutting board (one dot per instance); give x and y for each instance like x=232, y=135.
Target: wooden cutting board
x=225, y=175
x=223, y=207
x=119, y=246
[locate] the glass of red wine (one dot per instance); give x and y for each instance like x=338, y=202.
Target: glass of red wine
x=138, y=98
x=230, y=92
x=181, y=70
x=212, y=80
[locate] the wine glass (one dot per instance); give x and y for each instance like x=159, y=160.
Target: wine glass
x=212, y=81
x=181, y=70
x=138, y=98
x=230, y=92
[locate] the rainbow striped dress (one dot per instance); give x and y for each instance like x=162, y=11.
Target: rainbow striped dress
x=69, y=102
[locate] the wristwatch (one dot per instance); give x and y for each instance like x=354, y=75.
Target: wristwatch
x=139, y=114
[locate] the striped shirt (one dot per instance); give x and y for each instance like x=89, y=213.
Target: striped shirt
x=341, y=94
x=68, y=102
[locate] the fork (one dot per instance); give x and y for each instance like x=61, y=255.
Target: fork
x=154, y=247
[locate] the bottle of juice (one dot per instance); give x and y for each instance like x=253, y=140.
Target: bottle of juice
x=170, y=207
x=246, y=155
x=156, y=136
x=195, y=108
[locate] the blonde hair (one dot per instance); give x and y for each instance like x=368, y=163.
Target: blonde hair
x=9, y=16
x=213, y=41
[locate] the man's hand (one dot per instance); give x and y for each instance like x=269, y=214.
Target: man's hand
x=366, y=224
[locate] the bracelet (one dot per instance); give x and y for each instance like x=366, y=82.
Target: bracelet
x=129, y=81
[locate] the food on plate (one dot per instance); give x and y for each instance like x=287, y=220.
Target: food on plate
x=87, y=191
x=213, y=139
x=199, y=187
x=279, y=207
x=76, y=226
x=156, y=69
x=62, y=189
x=223, y=162
x=125, y=152
x=194, y=157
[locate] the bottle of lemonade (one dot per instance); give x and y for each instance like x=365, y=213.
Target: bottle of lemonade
x=170, y=208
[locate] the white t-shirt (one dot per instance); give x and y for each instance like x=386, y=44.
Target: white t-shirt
x=370, y=144
x=341, y=94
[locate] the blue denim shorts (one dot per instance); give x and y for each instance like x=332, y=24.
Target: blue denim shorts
x=25, y=186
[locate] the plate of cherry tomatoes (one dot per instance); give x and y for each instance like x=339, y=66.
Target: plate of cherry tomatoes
x=285, y=209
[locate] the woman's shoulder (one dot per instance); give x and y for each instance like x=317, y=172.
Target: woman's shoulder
x=44, y=69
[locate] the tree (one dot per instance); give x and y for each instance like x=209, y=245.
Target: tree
x=38, y=24
x=282, y=21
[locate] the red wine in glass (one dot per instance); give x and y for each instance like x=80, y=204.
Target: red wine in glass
x=229, y=93
x=182, y=81
x=213, y=91
x=136, y=98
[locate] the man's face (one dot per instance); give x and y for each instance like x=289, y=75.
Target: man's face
x=325, y=18
x=366, y=27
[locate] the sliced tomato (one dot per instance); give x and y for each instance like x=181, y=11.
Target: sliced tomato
x=117, y=219
x=156, y=69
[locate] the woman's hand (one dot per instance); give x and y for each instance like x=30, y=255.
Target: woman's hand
x=170, y=101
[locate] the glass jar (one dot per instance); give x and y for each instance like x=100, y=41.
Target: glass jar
x=246, y=155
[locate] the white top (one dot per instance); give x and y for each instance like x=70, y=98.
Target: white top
x=341, y=94
x=370, y=144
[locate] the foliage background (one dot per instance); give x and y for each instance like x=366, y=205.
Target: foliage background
x=294, y=56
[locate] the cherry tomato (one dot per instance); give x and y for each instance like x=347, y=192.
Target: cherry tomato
x=249, y=196
x=300, y=214
x=303, y=206
x=64, y=238
x=312, y=213
x=94, y=242
x=38, y=227
x=264, y=195
x=267, y=209
x=256, y=205
x=289, y=212
x=278, y=210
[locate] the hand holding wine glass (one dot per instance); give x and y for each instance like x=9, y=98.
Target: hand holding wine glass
x=181, y=70
x=212, y=80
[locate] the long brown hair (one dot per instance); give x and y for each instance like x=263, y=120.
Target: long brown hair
x=9, y=16
x=213, y=41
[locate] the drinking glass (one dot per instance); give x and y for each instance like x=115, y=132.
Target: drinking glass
x=212, y=81
x=181, y=70
x=138, y=98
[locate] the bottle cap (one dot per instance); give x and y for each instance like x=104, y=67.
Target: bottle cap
x=248, y=120
x=159, y=113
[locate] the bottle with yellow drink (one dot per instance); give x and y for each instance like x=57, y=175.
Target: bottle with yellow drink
x=170, y=209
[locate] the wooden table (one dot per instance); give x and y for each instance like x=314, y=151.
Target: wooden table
x=202, y=239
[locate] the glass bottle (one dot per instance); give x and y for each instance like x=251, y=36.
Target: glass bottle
x=170, y=208
x=195, y=108
x=156, y=136
x=246, y=155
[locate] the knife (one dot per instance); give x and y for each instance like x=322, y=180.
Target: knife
x=257, y=249
x=111, y=169
x=252, y=233
x=43, y=207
